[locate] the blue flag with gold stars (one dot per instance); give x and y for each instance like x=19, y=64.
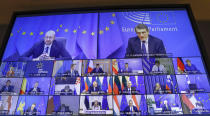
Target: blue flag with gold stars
x=124, y=103
x=143, y=105
x=79, y=32
x=105, y=105
x=110, y=36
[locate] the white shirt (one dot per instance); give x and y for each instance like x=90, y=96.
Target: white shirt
x=96, y=108
x=49, y=49
x=131, y=109
x=161, y=68
x=35, y=90
x=146, y=45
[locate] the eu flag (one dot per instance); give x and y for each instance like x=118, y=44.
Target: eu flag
x=86, y=102
x=82, y=81
x=105, y=105
x=57, y=102
x=124, y=103
x=143, y=105
x=109, y=34
x=87, y=39
x=105, y=84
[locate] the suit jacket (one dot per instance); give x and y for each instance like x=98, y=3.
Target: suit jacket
x=100, y=70
x=127, y=109
x=166, y=109
x=37, y=90
x=133, y=90
x=63, y=92
x=57, y=50
x=128, y=70
x=155, y=46
x=10, y=89
x=68, y=80
x=74, y=74
x=34, y=112
x=66, y=109
x=91, y=89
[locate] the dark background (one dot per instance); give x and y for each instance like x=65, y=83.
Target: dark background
x=200, y=9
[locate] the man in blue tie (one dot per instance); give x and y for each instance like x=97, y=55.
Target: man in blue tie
x=35, y=90
x=48, y=49
x=97, y=69
x=126, y=69
x=131, y=108
x=31, y=110
x=144, y=44
x=72, y=72
x=8, y=87
x=129, y=89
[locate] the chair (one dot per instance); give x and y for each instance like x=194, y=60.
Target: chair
x=61, y=40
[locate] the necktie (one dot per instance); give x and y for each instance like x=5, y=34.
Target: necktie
x=46, y=49
x=143, y=48
x=131, y=109
x=6, y=89
x=72, y=73
x=158, y=69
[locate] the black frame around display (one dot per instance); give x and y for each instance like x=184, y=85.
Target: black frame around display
x=107, y=9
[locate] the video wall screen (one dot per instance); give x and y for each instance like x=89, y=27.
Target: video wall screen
x=116, y=62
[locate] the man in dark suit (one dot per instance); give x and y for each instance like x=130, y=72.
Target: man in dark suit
x=126, y=69
x=129, y=90
x=131, y=108
x=94, y=89
x=64, y=80
x=72, y=72
x=166, y=108
x=66, y=91
x=64, y=108
x=48, y=49
x=144, y=43
x=97, y=69
x=31, y=110
x=7, y=87
x=35, y=90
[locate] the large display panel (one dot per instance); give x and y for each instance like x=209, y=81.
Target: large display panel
x=125, y=61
